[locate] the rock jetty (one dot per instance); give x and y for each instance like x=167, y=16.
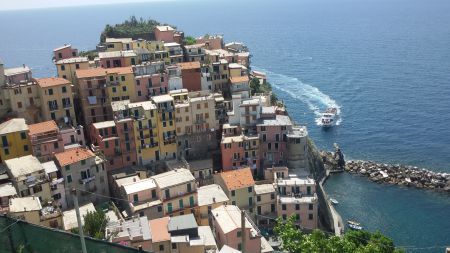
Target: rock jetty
x=401, y=175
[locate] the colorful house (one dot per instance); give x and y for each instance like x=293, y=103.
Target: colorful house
x=239, y=187
x=46, y=140
x=191, y=75
x=66, y=68
x=14, y=139
x=64, y=52
x=166, y=127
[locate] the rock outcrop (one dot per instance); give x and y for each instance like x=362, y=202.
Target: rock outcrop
x=401, y=175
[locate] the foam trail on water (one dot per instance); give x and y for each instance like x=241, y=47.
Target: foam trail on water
x=310, y=95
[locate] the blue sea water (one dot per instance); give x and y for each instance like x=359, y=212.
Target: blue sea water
x=384, y=63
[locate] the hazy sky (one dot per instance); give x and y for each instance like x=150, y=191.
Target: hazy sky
x=31, y=4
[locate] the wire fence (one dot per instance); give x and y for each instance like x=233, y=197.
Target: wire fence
x=21, y=237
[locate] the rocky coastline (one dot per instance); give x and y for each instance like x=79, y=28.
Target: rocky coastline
x=394, y=174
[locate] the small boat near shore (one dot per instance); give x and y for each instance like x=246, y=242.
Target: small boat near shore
x=328, y=118
x=354, y=225
x=334, y=201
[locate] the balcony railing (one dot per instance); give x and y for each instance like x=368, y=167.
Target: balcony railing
x=68, y=105
x=87, y=180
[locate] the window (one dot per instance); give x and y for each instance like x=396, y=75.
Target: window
x=233, y=193
x=153, y=194
x=239, y=233
x=240, y=247
x=272, y=208
x=250, y=189
x=161, y=247
x=284, y=216
x=250, y=201
x=233, y=203
x=114, y=89
x=297, y=216
x=139, y=93
x=77, y=66
x=198, y=106
x=272, y=196
x=29, y=90
x=310, y=216
x=159, y=209
x=189, y=189
x=283, y=207
x=50, y=91
x=25, y=147
x=206, y=115
x=64, y=89
x=19, y=104
x=63, y=67
x=191, y=201
x=124, y=88
x=311, y=207
x=258, y=198
x=297, y=206
x=135, y=198
x=23, y=135
x=106, y=144
x=69, y=178
x=174, y=246
x=83, y=162
x=67, y=167
x=122, y=78
x=169, y=207
x=180, y=203
x=167, y=192
x=55, y=145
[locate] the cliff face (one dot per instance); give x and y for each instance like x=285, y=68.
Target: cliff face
x=317, y=169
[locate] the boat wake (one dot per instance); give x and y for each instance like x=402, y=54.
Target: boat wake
x=310, y=95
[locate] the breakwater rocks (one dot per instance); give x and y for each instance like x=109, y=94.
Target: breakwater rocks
x=401, y=175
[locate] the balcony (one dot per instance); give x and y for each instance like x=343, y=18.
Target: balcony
x=87, y=180
x=68, y=105
x=32, y=181
x=53, y=107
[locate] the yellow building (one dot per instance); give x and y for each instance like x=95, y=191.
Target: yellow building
x=22, y=101
x=178, y=191
x=118, y=44
x=121, y=84
x=66, y=68
x=166, y=126
x=146, y=131
x=14, y=139
x=239, y=187
x=56, y=97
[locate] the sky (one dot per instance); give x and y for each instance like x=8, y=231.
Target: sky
x=33, y=4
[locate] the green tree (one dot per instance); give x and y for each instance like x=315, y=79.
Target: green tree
x=94, y=225
x=255, y=86
x=294, y=241
x=189, y=40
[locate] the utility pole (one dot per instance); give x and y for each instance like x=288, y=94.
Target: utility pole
x=243, y=230
x=80, y=226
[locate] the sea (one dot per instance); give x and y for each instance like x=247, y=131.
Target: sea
x=385, y=64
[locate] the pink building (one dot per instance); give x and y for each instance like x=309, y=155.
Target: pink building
x=191, y=75
x=18, y=75
x=143, y=198
x=240, y=151
x=64, y=52
x=226, y=222
x=164, y=33
x=273, y=136
x=115, y=140
x=297, y=197
x=151, y=80
x=211, y=42
x=46, y=140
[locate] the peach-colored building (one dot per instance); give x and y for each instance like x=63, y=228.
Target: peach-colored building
x=266, y=203
x=297, y=197
x=239, y=151
x=228, y=230
x=64, y=52
x=191, y=75
x=115, y=141
x=143, y=198
x=160, y=235
x=117, y=59
x=46, y=140
x=151, y=80
x=238, y=185
x=273, y=136
x=164, y=33
x=211, y=42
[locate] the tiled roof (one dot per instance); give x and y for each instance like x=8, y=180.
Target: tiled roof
x=239, y=79
x=51, y=81
x=94, y=72
x=160, y=231
x=189, y=65
x=73, y=155
x=237, y=179
x=42, y=127
x=13, y=125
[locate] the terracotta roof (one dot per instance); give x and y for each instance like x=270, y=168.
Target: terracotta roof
x=73, y=155
x=237, y=179
x=42, y=127
x=83, y=73
x=160, y=230
x=239, y=79
x=189, y=65
x=51, y=81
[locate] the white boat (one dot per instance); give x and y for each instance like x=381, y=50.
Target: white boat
x=334, y=201
x=328, y=118
x=354, y=225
